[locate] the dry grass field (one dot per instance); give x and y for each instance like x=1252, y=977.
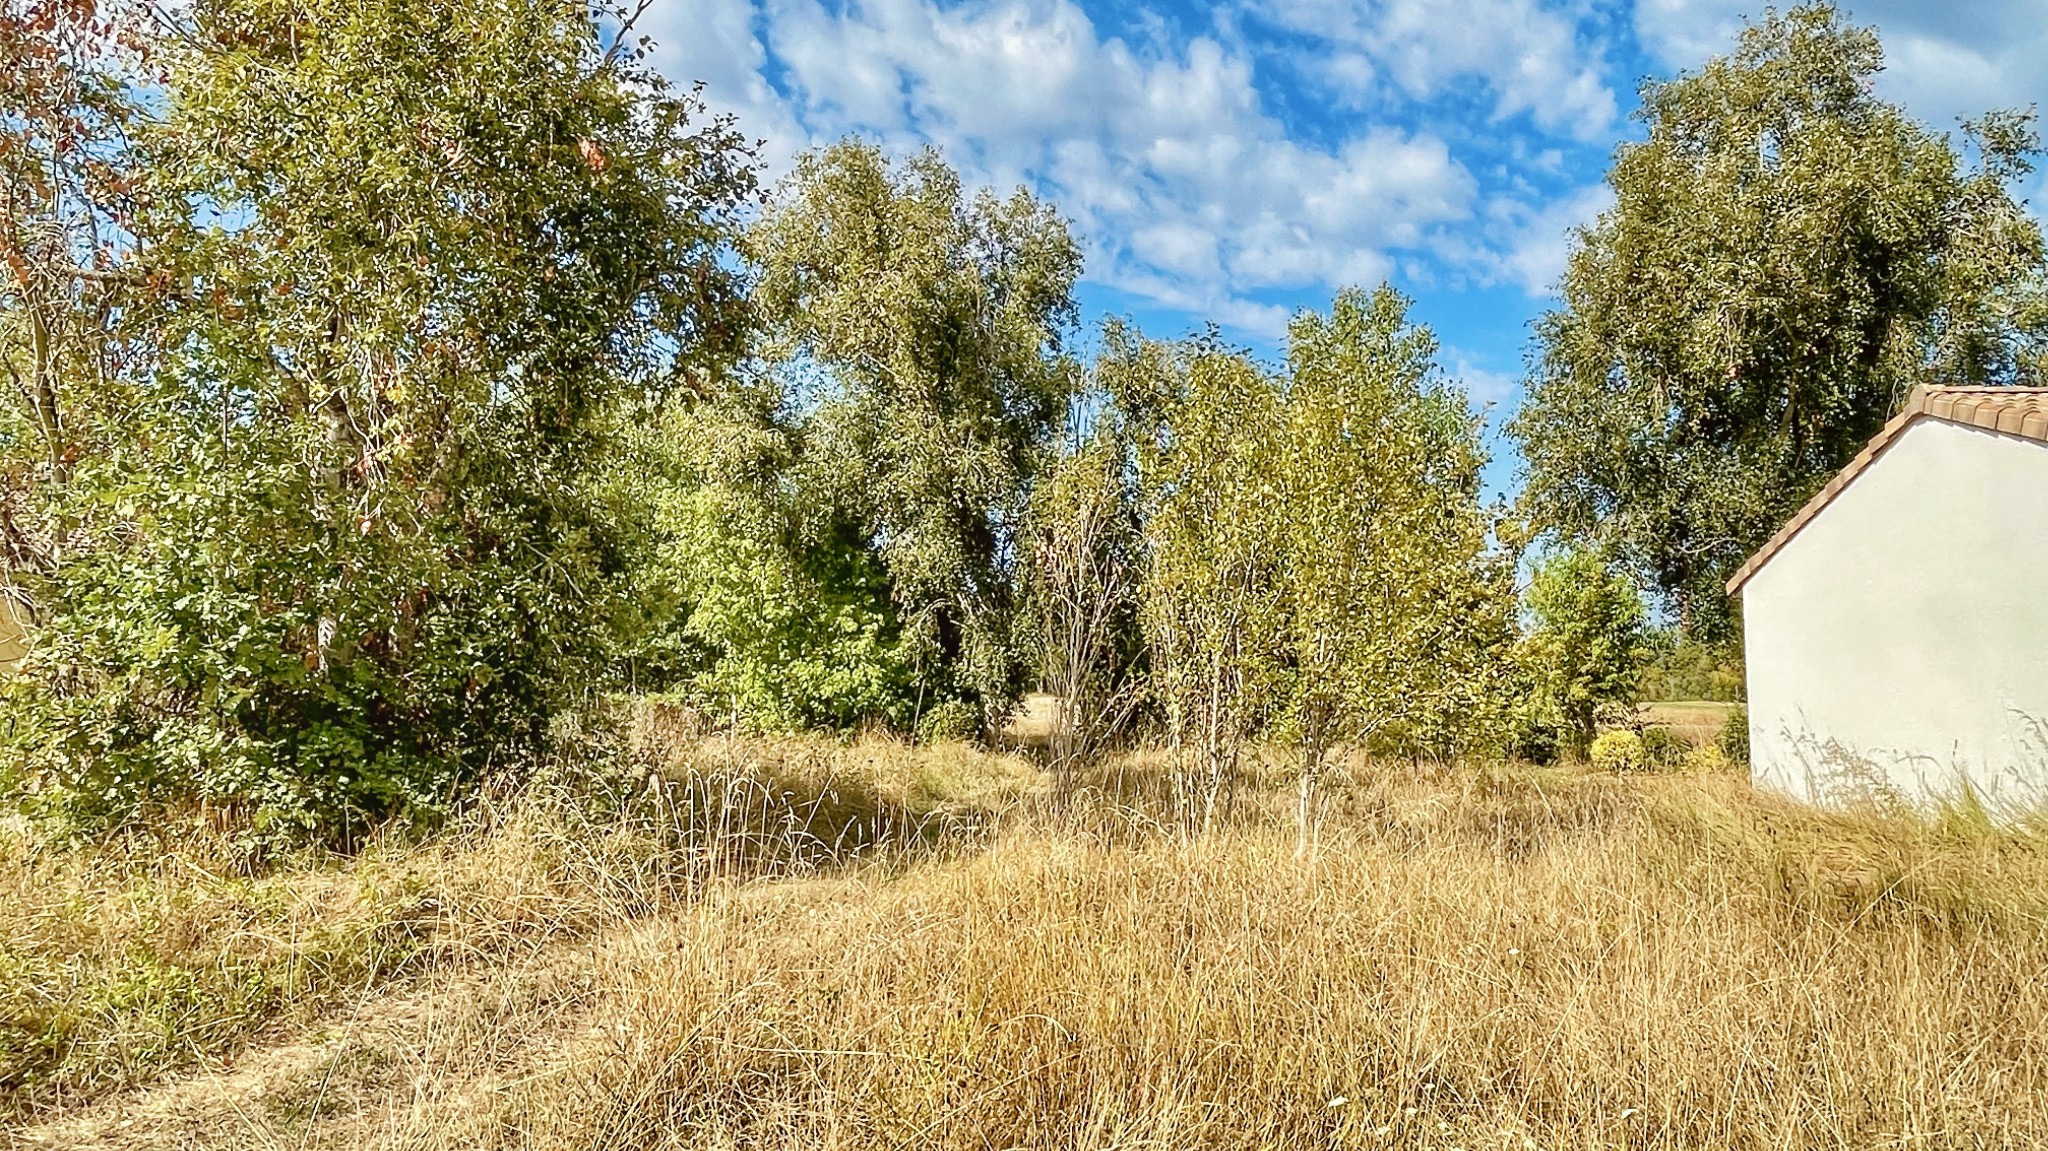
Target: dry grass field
x=1694, y=721
x=807, y=945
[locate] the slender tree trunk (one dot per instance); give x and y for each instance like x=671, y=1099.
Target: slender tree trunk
x=1315, y=744
x=1304, y=808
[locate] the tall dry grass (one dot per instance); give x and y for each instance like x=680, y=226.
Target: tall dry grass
x=164, y=948
x=1473, y=960
x=1469, y=958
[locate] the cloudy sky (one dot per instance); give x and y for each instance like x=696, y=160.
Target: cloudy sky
x=1237, y=161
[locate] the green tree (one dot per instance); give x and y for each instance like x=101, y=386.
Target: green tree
x=1205, y=424
x=1588, y=645
x=1317, y=563
x=919, y=333
x=1393, y=602
x=410, y=262
x=68, y=293
x=1684, y=667
x=768, y=606
x=1787, y=255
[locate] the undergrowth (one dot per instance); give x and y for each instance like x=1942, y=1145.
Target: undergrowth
x=805, y=944
x=123, y=958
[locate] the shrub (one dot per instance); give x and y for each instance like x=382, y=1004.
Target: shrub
x=1533, y=734
x=1620, y=750
x=1662, y=747
x=948, y=722
x=1587, y=648
x=1704, y=759
x=1735, y=736
x=1687, y=667
x=324, y=548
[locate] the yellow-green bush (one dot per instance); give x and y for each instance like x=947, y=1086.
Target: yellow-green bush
x=1706, y=759
x=1619, y=750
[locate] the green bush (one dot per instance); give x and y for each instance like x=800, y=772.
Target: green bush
x=1704, y=759
x=329, y=539
x=1587, y=649
x=949, y=721
x=1686, y=667
x=1619, y=750
x=1662, y=748
x=1533, y=734
x=1735, y=736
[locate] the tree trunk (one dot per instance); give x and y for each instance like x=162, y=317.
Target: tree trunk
x=1315, y=747
x=1305, y=803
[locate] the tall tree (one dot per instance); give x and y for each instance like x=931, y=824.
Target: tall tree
x=1395, y=606
x=922, y=332
x=1787, y=255
x=70, y=257
x=1318, y=564
x=1205, y=425
x=1083, y=589
x=413, y=261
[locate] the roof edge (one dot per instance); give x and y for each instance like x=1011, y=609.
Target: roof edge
x=1925, y=402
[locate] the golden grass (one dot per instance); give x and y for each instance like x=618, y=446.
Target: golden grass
x=128, y=958
x=1469, y=958
x=1694, y=721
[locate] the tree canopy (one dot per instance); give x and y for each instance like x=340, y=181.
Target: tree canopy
x=1318, y=563
x=919, y=331
x=1589, y=643
x=1788, y=254
x=388, y=380
x=396, y=270
x=1394, y=597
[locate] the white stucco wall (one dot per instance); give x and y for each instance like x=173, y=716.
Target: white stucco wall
x=1899, y=642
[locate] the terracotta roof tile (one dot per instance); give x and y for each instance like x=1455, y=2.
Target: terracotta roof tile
x=2013, y=411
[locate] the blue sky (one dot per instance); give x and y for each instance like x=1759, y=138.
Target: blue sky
x=1236, y=162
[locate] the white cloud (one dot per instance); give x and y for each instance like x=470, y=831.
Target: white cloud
x=1186, y=186
x=1487, y=388
x=1944, y=61
x=1185, y=190
x=714, y=42
x=1684, y=33
x=1540, y=240
x=1522, y=242
x=1528, y=53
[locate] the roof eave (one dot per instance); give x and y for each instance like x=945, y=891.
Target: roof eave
x=1925, y=403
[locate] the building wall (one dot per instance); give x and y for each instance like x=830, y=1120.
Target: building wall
x=1899, y=643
